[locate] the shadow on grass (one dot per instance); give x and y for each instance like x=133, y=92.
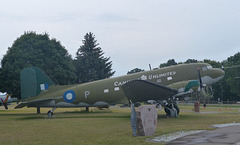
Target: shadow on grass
x=84, y=114
x=65, y=115
x=90, y=112
x=16, y=114
x=69, y=117
x=21, y=116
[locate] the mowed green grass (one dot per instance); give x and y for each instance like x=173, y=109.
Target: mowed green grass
x=73, y=126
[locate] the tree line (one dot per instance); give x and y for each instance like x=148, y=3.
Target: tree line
x=39, y=50
x=89, y=64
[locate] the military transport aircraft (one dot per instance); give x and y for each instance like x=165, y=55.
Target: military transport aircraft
x=38, y=90
x=5, y=100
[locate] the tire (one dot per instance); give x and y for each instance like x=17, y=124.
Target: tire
x=50, y=114
x=170, y=107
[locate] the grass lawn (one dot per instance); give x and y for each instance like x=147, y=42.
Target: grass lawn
x=73, y=126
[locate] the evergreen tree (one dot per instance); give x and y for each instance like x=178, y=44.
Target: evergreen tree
x=90, y=63
x=37, y=50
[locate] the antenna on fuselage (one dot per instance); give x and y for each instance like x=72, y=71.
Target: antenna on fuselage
x=150, y=67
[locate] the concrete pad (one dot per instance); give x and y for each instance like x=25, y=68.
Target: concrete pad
x=229, y=135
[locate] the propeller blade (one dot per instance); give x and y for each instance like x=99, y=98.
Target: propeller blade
x=5, y=106
x=200, y=79
x=202, y=90
x=5, y=101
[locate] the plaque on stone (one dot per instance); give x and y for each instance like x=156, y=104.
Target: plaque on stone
x=146, y=120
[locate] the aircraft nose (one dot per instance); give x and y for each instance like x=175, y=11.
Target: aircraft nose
x=221, y=73
x=218, y=74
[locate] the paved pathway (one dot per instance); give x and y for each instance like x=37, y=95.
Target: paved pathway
x=222, y=136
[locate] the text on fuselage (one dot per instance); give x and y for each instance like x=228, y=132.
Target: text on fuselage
x=149, y=77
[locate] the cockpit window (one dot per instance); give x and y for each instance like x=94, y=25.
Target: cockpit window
x=209, y=67
x=206, y=67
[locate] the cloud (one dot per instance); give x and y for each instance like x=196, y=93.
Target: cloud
x=109, y=17
x=133, y=33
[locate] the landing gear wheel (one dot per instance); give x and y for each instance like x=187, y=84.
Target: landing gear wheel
x=169, y=106
x=50, y=114
x=177, y=108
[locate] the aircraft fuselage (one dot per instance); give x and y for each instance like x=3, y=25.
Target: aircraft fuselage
x=109, y=91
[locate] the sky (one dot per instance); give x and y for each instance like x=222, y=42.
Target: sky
x=134, y=33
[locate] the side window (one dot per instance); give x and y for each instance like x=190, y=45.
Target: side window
x=204, y=68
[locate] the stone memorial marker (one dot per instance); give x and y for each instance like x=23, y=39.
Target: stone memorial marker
x=146, y=120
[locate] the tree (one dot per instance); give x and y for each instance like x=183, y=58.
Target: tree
x=229, y=87
x=213, y=63
x=232, y=74
x=37, y=50
x=90, y=63
x=136, y=70
x=169, y=63
x=191, y=61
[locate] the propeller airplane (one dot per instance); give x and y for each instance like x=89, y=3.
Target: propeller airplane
x=38, y=90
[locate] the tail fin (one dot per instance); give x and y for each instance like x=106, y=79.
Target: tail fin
x=33, y=81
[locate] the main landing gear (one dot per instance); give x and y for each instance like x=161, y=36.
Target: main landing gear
x=171, y=108
x=50, y=112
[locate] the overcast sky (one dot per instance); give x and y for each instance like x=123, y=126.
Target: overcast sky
x=134, y=33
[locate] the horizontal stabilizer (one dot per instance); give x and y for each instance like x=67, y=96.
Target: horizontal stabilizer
x=140, y=90
x=35, y=103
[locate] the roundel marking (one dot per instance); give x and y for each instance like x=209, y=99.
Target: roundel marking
x=69, y=96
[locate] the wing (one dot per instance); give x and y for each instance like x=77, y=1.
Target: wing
x=140, y=90
x=45, y=102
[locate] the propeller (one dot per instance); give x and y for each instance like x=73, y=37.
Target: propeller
x=200, y=79
x=202, y=89
x=5, y=101
x=5, y=106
